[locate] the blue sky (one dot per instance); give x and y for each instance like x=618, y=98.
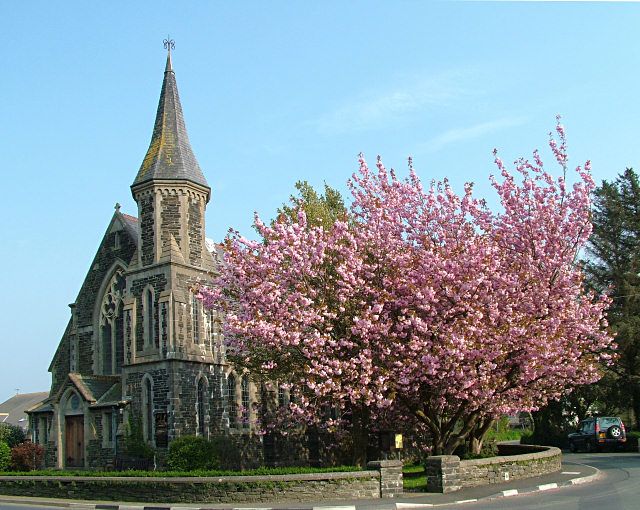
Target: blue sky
x=274, y=92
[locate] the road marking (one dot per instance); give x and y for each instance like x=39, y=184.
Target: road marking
x=412, y=505
x=547, y=486
x=466, y=501
x=510, y=492
x=334, y=507
x=570, y=473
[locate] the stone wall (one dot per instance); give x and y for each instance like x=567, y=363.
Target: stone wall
x=447, y=473
x=302, y=487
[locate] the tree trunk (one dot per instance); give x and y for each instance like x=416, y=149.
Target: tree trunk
x=360, y=435
x=476, y=438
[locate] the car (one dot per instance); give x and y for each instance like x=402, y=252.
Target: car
x=598, y=433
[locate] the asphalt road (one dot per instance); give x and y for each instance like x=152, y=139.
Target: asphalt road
x=617, y=489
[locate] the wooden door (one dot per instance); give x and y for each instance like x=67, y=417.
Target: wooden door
x=74, y=441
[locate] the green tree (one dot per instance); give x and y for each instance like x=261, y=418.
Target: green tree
x=11, y=434
x=5, y=456
x=321, y=209
x=613, y=265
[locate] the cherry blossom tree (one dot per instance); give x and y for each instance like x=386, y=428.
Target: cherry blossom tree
x=425, y=304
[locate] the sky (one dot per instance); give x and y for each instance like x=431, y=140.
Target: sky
x=275, y=92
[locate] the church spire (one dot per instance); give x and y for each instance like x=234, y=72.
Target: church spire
x=169, y=156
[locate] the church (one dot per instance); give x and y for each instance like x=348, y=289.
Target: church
x=139, y=348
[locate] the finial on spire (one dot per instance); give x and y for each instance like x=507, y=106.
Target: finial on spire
x=117, y=207
x=169, y=44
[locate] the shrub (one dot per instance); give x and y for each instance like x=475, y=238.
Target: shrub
x=5, y=456
x=192, y=452
x=227, y=452
x=11, y=434
x=134, y=443
x=27, y=456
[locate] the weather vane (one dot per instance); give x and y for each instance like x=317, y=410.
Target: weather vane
x=169, y=44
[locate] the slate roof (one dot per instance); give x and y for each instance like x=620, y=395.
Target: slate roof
x=112, y=396
x=132, y=225
x=13, y=410
x=170, y=156
x=93, y=387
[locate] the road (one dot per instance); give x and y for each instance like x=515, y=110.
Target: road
x=617, y=489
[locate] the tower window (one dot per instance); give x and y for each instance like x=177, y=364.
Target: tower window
x=200, y=406
x=149, y=323
x=231, y=401
x=195, y=318
x=246, y=402
x=147, y=409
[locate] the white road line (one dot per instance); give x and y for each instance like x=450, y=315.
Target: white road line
x=412, y=505
x=547, y=486
x=510, y=492
x=334, y=507
x=570, y=473
x=466, y=501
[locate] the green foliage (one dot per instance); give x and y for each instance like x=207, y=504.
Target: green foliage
x=502, y=431
x=551, y=425
x=181, y=474
x=321, y=210
x=192, y=452
x=27, y=456
x=613, y=265
x=134, y=443
x=5, y=456
x=11, y=434
x=489, y=449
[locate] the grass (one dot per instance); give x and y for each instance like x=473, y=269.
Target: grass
x=198, y=473
x=413, y=478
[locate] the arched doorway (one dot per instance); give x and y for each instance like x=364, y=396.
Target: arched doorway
x=73, y=431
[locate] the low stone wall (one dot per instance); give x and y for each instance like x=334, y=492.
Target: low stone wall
x=447, y=473
x=384, y=481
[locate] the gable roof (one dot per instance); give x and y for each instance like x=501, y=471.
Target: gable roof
x=170, y=156
x=13, y=411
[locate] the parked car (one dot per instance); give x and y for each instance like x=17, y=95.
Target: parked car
x=597, y=433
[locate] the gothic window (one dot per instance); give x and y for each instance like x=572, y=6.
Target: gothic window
x=111, y=345
x=200, y=406
x=246, y=402
x=147, y=408
x=195, y=318
x=116, y=240
x=108, y=429
x=149, y=323
x=231, y=400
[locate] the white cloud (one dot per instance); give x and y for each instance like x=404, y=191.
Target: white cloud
x=374, y=110
x=469, y=133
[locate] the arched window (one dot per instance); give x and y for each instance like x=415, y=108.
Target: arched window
x=195, y=318
x=149, y=323
x=231, y=400
x=147, y=409
x=246, y=402
x=200, y=406
x=111, y=330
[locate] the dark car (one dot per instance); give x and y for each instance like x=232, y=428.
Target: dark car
x=597, y=433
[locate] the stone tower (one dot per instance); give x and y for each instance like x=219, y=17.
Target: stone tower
x=171, y=345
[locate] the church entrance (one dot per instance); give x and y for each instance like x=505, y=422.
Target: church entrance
x=74, y=441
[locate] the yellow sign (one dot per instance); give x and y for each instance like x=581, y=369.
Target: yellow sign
x=398, y=441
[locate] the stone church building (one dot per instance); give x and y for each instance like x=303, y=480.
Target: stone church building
x=138, y=347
